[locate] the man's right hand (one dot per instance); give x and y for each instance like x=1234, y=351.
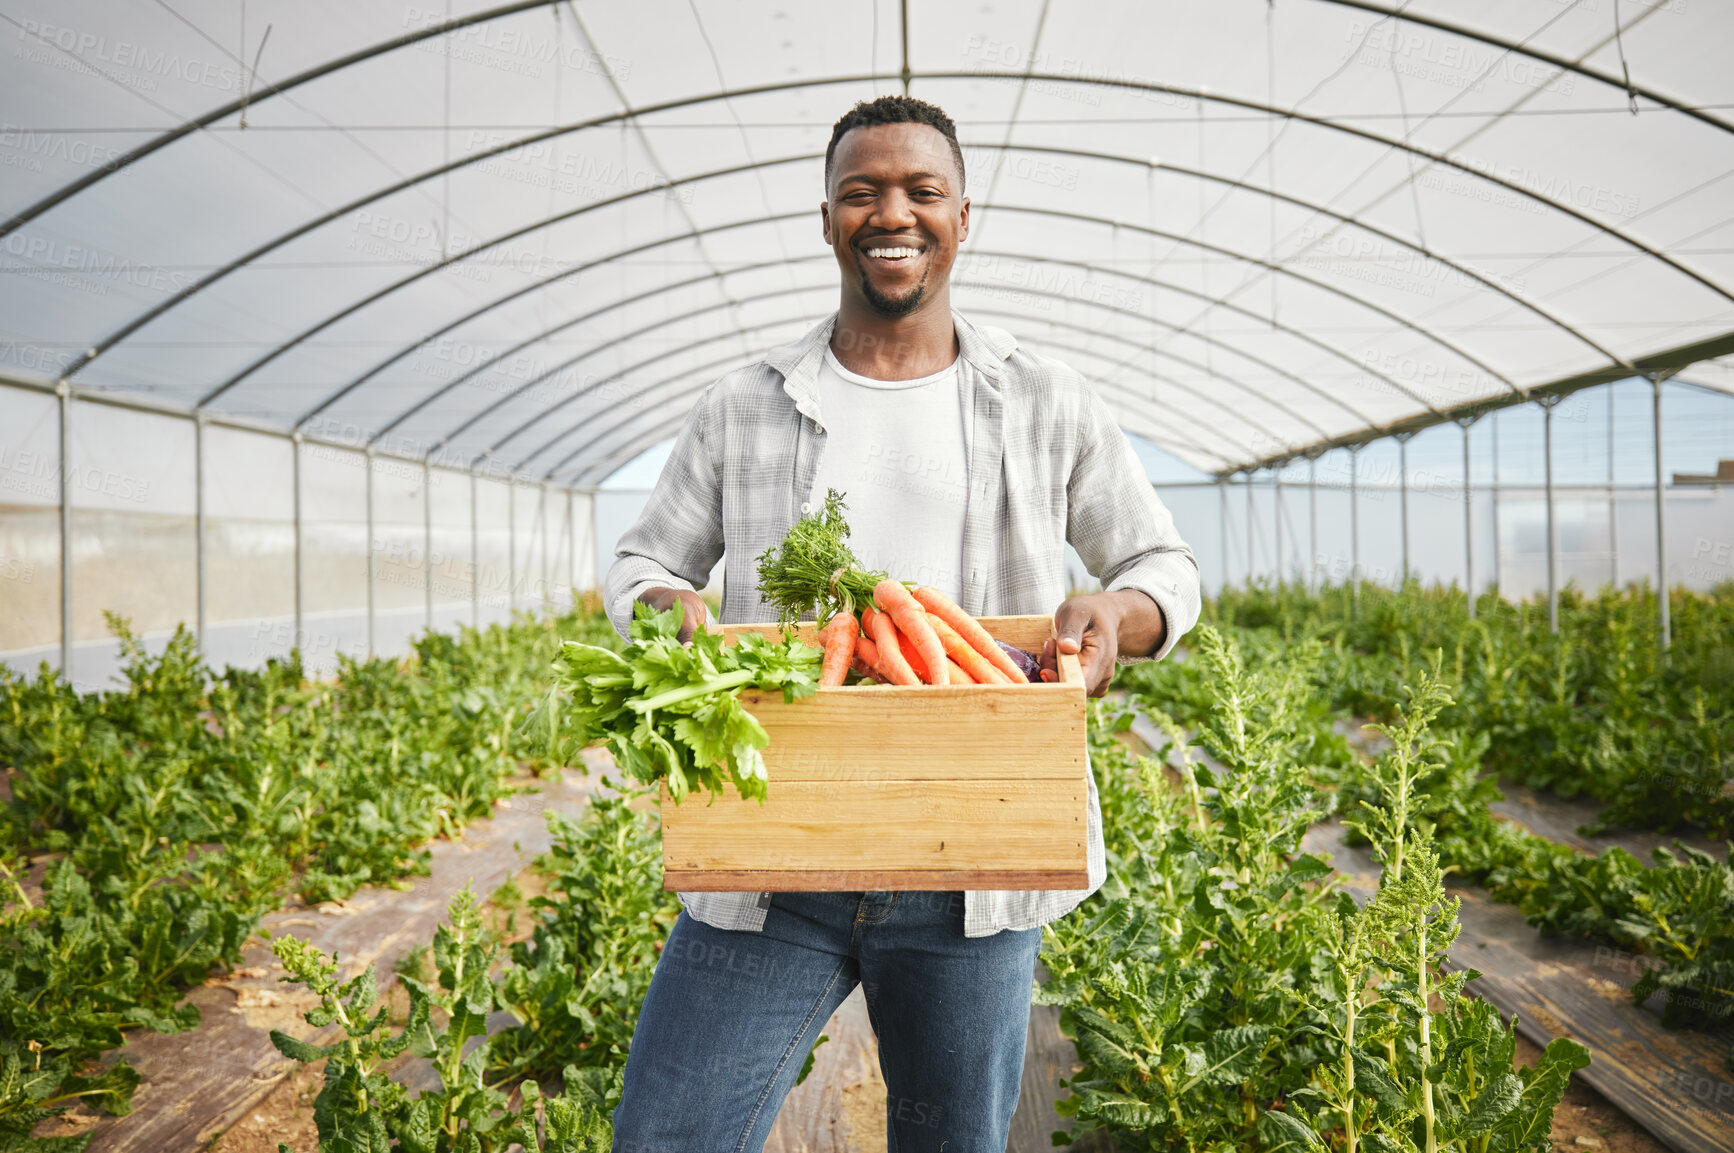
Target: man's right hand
x=692, y=607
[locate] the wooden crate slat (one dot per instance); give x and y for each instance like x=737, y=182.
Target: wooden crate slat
x=871, y=880
x=994, y=825
x=1035, y=732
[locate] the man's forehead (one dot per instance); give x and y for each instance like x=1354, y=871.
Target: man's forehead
x=894, y=150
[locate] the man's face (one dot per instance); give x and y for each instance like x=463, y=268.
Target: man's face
x=896, y=213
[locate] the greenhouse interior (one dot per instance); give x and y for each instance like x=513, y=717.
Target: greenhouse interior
x=346, y=349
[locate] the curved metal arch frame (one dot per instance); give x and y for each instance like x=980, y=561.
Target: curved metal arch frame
x=685, y=385
x=1117, y=388
x=1274, y=267
x=520, y=293
x=1152, y=282
x=562, y=217
x=544, y=414
x=1042, y=149
x=518, y=429
x=458, y=258
x=1152, y=436
x=126, y=330
x=337, y=64
x=678, y=318
x=1225, y=304
x=253, y=99
x=1152, y=350
x=1229, y=349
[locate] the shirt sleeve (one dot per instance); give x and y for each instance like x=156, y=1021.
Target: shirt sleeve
x=1123, y=532
x=678, y=538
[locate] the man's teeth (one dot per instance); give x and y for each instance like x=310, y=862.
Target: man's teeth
x=893, y=253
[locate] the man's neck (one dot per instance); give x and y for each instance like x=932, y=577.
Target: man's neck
x=901, y=348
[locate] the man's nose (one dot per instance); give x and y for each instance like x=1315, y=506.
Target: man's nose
x=895, y=210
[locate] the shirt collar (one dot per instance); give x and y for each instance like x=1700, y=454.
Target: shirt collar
x=985, y=348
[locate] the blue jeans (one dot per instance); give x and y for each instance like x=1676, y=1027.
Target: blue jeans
x=731, y=1016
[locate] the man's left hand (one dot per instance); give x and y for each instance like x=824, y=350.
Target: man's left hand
x=1098, y=627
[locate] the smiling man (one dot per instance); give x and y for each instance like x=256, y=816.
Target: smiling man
x=968, y=463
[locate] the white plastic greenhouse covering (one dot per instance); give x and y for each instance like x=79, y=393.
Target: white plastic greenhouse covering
x=496, y=250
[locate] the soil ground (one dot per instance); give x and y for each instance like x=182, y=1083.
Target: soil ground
x=1585, y=1120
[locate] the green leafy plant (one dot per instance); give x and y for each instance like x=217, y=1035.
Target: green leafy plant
x=1223, y=993
x=361, y=1109
x=150, y=826
x=672, y=712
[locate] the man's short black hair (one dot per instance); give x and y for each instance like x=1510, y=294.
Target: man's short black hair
x=895, y=110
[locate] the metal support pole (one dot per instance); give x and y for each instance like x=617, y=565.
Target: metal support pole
x=1613, y=502
x=199, y=522
x=1498, y=556
x=1661, y=522
x=1552, y=534
x=1249, y=516
x=1468, y=526
x=1355, y=519
x=1222, y=534
x=571, y=544
x=295, y=482
x=475, y=560
x=1276, y=500
x=542, y=516
x=1403, y=498
x=367, y=459
x=427, y=537
x=511, y=546
x=1313, y=523
x=64, y=390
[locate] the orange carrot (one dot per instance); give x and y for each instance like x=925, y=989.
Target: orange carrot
x=970, y=630
x=914, y=657
x=884, y=634
x=959, y=650
x=839, y=641
x=891, y=597
x=955, y=671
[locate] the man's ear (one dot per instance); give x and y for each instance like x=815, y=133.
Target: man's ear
x=825, y=221
x=963, y=221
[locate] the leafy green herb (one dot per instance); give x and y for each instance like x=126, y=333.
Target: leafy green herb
x=813, y=573
x=672, y=712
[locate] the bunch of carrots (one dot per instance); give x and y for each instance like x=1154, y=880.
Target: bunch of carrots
x=910, y=636
x=881, y=627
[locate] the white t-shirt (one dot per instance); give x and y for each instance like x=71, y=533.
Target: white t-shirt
x=895, y=450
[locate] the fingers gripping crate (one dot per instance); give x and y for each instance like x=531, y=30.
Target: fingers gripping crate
x=885, y=787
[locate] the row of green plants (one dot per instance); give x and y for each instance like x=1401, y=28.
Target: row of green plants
x=1595, y=709
x=1223, y=990
x=147, y=828
x=573, y=991
x=1592, y=710
x=1226, y=992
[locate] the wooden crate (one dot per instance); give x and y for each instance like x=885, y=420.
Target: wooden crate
x=882, y=787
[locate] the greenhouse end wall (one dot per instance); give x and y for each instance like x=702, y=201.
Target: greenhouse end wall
x=442, y=548
x=445, y=548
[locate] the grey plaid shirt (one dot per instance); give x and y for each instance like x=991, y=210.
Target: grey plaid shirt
x=1047, y=465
